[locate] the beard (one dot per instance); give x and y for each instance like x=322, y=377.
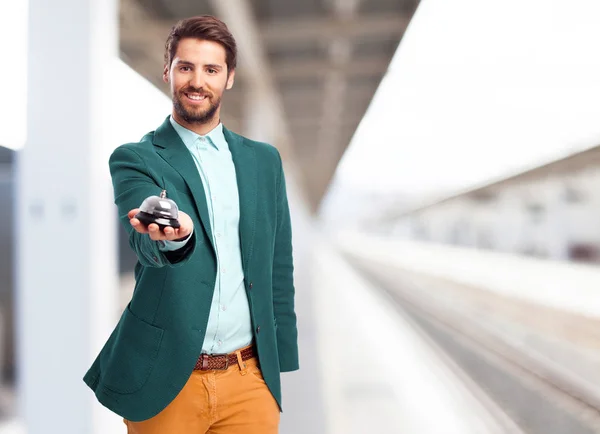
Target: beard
x=195, y=115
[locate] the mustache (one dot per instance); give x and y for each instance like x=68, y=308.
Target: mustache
x=199, y=91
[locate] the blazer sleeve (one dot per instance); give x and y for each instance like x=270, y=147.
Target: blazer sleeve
x=283, y=282
x=132, y=184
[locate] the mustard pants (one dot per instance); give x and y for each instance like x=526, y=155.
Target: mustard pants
x=232, y=401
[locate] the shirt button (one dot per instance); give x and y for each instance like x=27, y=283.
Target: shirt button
x=218, y=234
x=224, y=270
x=224, y=308
x=219, y=343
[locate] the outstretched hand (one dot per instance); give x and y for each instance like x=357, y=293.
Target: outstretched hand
x=169, y=233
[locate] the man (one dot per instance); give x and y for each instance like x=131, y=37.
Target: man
x=211, y=323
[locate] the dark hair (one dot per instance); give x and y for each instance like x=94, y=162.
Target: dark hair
x=205, y=27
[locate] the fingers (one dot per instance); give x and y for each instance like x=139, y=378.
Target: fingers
x=169, y=232
x=154, y=232
x=138, y=226
x=132, y=213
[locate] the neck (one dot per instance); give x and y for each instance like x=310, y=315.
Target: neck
x=201, y=129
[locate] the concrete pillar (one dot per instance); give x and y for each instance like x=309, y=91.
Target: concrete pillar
x=259, y=117
x=302, y=390
x=66, y=223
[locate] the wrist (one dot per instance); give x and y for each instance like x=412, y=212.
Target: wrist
x=183, y=238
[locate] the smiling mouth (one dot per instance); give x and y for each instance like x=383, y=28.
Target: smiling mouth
x=196, y=97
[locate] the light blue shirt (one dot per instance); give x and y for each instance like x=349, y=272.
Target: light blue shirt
x=229, y=324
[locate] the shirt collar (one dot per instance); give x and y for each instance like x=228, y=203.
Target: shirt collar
x=215, y=137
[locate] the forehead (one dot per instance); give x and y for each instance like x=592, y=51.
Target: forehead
x=200, y=51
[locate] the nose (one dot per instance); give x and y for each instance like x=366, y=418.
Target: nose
x=197, y=80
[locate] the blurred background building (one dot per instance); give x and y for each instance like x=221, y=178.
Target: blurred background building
x=442, y=166
x=547, y=212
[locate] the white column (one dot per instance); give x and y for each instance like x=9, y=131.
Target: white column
x=302, y=390
x=259, y=117
x=66, y=221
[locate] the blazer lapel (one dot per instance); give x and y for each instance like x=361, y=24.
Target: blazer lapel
x=244, y=160
x=172, y=149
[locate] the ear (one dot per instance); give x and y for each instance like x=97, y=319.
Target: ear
x=165, y=73
x=230, y=79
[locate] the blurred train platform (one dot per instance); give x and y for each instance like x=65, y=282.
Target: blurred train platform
x=525, y=330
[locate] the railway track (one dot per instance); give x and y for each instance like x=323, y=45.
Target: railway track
x=526, y=391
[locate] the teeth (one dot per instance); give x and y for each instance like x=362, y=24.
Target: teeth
x=196, y=97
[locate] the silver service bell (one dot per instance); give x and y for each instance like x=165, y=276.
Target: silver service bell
x=160, y=210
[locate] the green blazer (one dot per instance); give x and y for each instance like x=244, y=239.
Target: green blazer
x=152, y=351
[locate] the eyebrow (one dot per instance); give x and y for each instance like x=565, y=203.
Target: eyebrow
x=183, y=63
x=188, y=63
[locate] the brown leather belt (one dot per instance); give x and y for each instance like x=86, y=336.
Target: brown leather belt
x=209, y=362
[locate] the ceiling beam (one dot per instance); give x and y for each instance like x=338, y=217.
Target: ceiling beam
x=282, y=33
x=352, y=119
x=350, y=111
x=300, y=103
x=361, y=67
x=357, y=92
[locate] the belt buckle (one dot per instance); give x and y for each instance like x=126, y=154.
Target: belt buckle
x=226, y=361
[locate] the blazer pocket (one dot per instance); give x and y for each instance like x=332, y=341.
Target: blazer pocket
x=133, y=354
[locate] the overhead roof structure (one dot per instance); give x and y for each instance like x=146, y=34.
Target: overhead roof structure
x=561, y=167
x=319, y=62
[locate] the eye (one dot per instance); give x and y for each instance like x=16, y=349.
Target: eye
x=184, y=68
x=212, y=71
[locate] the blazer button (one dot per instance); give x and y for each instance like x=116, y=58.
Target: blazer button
x=258, y=329
x=155, y=258
x=250, y=286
